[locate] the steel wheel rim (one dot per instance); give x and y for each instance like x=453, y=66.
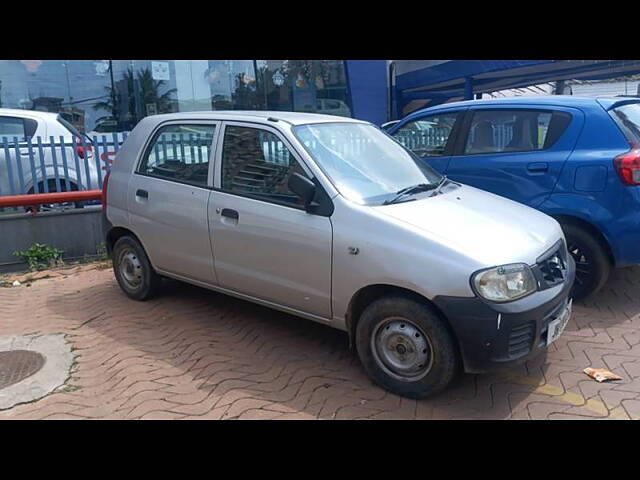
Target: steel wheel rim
x=402, y=349
x=130, y=268
x=584, y=268
x=57, y=207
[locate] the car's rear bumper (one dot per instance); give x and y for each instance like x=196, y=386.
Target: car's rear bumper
x=106, y=227
x=491, y=336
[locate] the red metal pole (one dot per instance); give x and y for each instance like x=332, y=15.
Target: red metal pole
x=56, y=197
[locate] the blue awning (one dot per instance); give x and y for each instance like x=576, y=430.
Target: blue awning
x=444, y=80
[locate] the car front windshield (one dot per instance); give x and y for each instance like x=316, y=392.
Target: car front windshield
x=364, y=164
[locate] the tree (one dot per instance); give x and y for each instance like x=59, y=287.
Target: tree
x=141, y=90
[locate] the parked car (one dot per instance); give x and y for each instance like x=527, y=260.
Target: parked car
x=576, y=159
x=25, y=169
x=332, y=220
x=331, y=106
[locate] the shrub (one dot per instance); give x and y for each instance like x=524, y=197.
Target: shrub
x=39, y=256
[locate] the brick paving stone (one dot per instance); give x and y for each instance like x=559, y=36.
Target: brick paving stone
x=195, y=354
x=632, y=407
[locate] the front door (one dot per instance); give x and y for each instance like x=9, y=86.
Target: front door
x=168, y=196
x=430, y=137
x=265, y=244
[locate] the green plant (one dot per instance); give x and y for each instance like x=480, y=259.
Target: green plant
x=39, y=256
x=101, y=251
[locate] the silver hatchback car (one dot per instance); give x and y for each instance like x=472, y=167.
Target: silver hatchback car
x=330, y=219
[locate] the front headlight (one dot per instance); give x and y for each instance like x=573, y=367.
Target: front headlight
x=504, y=283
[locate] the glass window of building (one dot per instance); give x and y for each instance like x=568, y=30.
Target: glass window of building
x=103, y=96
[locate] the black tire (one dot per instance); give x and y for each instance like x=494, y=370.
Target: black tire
x=592, y=262
x=133, y=271
x=52, y=187
x=441, y=364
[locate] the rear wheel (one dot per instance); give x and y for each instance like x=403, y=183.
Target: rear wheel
x=592, y=263
x=52, y=187
x=133, y=271
x=405, y=347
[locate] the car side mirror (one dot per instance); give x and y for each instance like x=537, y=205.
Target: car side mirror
x=304, y=188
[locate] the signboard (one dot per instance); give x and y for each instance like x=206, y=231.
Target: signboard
x=304, y=94
x=160, y=71
x=278, y=79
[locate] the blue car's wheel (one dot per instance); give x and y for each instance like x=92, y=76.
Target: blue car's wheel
x=592, y=264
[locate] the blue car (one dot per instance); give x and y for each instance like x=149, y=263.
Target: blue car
x=576, y=159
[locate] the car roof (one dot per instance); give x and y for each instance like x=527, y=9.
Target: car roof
x=293, y=118
x=28, y=113
x=558, y=100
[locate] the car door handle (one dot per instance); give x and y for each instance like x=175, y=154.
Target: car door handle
x=538, y=167
x=142, y=193
x=227, y=212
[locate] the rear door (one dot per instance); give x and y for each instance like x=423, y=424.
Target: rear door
x=168, y=195
x=430, y=136
x=515, y=151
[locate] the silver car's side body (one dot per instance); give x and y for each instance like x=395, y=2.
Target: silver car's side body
x=312, y=265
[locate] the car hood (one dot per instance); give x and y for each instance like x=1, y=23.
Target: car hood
x=490, y=229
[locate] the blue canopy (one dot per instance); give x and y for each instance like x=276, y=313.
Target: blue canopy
x=439, y=81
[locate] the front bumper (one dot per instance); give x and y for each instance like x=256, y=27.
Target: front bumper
x=487, y=344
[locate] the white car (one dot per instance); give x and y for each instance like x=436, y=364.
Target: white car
x=331, y=106
x=31, y=163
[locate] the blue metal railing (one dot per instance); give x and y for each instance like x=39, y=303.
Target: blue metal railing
x=44, y=165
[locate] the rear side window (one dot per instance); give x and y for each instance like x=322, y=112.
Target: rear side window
x=427, y=136
x=179, y=153
x=628, y=119
x=500, y=131
x=30, y=127
x=12, y=127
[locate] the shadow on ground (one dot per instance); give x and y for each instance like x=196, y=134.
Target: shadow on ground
x=222, y=348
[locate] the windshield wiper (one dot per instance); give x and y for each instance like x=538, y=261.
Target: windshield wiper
x=442, y=182
x=421, y=187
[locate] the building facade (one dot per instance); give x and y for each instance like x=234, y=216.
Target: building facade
x=101, y=96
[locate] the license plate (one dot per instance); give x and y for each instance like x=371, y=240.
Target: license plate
x=556, y=327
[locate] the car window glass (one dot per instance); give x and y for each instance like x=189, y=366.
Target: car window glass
x=365, y=164
x=180, y=153
x=10, y=128
x=427, y=136
x=255, y=162
x=496, y=131
x=628, y=118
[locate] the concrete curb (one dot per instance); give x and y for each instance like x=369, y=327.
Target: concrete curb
x=55, y=372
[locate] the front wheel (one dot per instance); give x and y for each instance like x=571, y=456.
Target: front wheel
x=592, y=263
x=405, y=347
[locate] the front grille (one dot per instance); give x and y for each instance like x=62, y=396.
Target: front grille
x=521, y=339
x=551, y=268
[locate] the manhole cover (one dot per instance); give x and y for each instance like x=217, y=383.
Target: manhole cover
x=16, y=365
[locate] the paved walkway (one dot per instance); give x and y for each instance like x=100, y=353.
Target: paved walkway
x=192, y=353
